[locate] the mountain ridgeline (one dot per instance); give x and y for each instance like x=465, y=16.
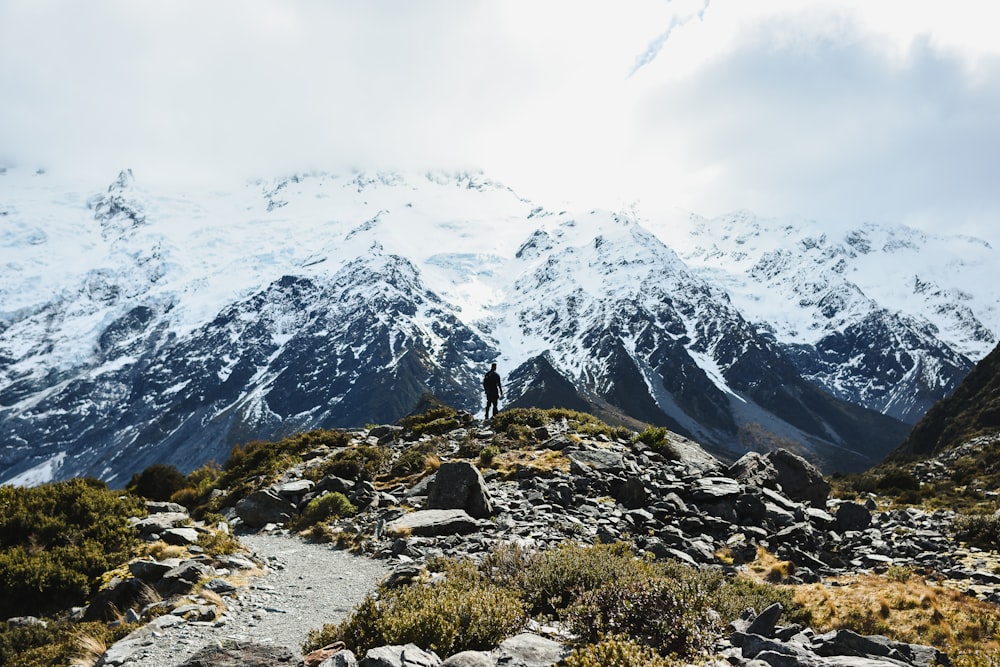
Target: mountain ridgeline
x=195, y=323
x=972, y=410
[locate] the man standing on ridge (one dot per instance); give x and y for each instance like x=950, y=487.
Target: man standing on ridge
x=491, y=384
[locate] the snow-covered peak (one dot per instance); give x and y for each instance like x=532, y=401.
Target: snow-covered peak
x=789, y=274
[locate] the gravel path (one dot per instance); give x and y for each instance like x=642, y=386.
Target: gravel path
x=305, y=586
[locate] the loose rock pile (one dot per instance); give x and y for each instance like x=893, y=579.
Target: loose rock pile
x=685, y=505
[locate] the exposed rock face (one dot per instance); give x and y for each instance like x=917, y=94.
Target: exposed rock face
x=263, y=507
x=461, y=486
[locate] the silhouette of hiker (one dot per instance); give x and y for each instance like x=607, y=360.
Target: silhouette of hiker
x=491, y=384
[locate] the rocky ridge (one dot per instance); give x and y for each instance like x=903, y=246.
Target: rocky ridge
x=671, y=501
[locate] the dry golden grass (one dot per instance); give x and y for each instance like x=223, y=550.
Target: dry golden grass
x=87, y=649
x=768, y=568
x=912, y=611
x=540, y=461
x=904, y=607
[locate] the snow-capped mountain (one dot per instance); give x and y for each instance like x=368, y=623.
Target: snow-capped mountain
x=887, y=317
x=140, y=325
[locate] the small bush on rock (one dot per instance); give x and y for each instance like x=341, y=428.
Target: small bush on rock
x=413, y=459
x=615, y=652
x=157, y=482
x=323, y=508
x=657, y=439
x=356, y=462
x=435, y=421
x=552, y=579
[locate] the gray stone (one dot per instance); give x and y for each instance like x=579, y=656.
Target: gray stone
x=460, y=485
x=715, y=488
x=631, y=492
x=183, y=578
x=799, y=479
x=344, y=658
x=151, y=570
x=180, y=536
x=764, y=623
x=157, y=507
x=469, y=659
x=852, y=516
x=220, y=586
x=399, y=656
x=295, y=488
x=754, y=469
x=197, y=612
x=601, y=460
x=123, y=650
x=241, y=655
x=157, y=523
x=263, y=507
x=530, y=650
x=428, y=523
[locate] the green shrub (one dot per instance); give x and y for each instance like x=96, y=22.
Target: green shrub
x=447, y=618
x=552, y=579
x=981, y=530
x=670, y=615
x=896, y=480
x=56, y=539
x=615, y=652
x=157, y=482
x=355, y=462
x=323, y=508
x=657, y=439
x=732, y=595
x=57, y=643
x=257, y=464
x=487, y=455
x=435, y=421
x=413, y=459
x=532, y=417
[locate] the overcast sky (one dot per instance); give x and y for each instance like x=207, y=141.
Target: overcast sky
x=841, y=111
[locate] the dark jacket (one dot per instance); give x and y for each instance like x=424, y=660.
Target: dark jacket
x=491, y=383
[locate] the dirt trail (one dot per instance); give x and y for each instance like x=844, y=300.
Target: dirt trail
x=305, y=586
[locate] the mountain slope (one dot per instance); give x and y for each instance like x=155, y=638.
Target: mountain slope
x=972, y=409
x=837, y=304
x=141, y=325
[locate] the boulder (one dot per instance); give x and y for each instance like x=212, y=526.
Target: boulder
x=151, y=570
x=155, y=524
x=345, y=658
x=180, y=536
x=241, y=655
x=530, y=650
x=469, y=659
x=799, y=479
x=754, y=469
x=399, y=656
x=852, y=516
x=295, y=489
x=183, y=578
x=461, y=486
x=630, y=492
x=428, y=523
x=263, y=507
x=601, y=460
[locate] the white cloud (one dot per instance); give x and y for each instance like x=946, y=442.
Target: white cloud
x=840, y=111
